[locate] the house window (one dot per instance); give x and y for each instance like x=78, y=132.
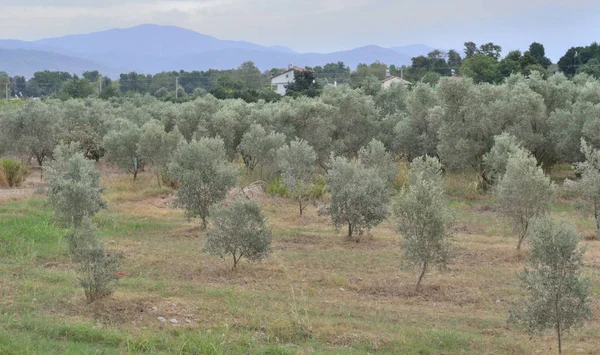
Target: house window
x=286, y=75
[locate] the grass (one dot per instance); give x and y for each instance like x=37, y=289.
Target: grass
x=316, y=294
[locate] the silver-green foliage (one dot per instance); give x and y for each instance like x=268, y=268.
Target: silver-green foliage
x=260, y=148
x=121, y=145
x=524, y=192
x=74, y=191
x=375, y=156
x=423, y=217
x=204, y=174
x=359, y=197
x=297, y=163
x=97, y=270
x=494, y=162
x=589, y=184
x=239, y=230
x=557, y=293
x=157, y=146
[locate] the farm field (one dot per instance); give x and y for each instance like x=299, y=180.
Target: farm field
x=317, y=293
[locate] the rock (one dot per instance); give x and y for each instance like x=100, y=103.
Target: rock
x=174, y=321
x=580, y=350
x=161, y=319
x=188, y=321
x=173, y=305
x=154, y=308
x=341, y=289
x=498, y=301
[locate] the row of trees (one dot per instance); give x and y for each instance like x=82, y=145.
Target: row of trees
x=481, y=63
x=456, y=121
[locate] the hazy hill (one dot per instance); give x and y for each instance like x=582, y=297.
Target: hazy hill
x=154, y=48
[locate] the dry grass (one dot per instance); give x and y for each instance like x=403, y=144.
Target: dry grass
x=316, y=290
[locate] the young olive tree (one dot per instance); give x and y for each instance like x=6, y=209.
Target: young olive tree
x=589, y=185
x=297, y=163
x=259, y=147
x=239, y=230
x=377, y=157
x=558, y=294
x=359, y=197
x=74, y=191
x=98, y=270
x=423, y=217
x=524, y=192
x=157, y=146
x=32, y=130
x=494, y=162
x=204, y=174
x=121, y=146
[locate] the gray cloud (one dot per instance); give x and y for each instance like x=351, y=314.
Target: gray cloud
x=321, y=25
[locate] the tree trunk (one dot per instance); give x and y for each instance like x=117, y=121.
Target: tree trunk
x=235, y=261
x=158, y=177
x=349, y=230
x=421, y=277
x=520, y=242
x=559, y=338
x=300, y=202
x=204, y=224
x=597, y=218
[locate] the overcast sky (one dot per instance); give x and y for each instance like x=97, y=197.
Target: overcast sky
x=324, y=25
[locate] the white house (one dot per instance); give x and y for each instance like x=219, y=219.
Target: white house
x=387, y=82
x=279, y=81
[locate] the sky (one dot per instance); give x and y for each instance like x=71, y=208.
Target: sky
x=323, y=25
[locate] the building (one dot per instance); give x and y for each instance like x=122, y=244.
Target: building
x=387, y=82
x=279, y=81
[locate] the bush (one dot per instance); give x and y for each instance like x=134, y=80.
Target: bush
x=12, y=173
x=98, y=270
x=277, y=188
x=239, y=230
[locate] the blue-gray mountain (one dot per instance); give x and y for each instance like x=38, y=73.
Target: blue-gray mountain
x=153, y=48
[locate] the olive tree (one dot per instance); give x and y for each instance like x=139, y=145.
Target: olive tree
x=32, y=130
x=97, y=269
x=157, y=146
x=557, y=293
x=375, y=156
x=297, y=163
x=121, y=145
x=589, y=184
x=423, y=217
x=523, y=193
x=238, y=229
x=73, y=181
x=494, y=162
x=359, y=197
x=259, y=147
x=204, y=175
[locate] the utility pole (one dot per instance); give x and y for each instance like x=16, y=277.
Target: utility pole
x=6, y=85
x=100, y=84
x=176, y=85
x=401, y=73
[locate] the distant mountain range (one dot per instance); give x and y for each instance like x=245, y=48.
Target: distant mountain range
x=153, y=48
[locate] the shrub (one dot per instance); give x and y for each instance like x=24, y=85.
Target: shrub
x=239, y=230
x=12, y=173
x=277, y=188
x=97, y=270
